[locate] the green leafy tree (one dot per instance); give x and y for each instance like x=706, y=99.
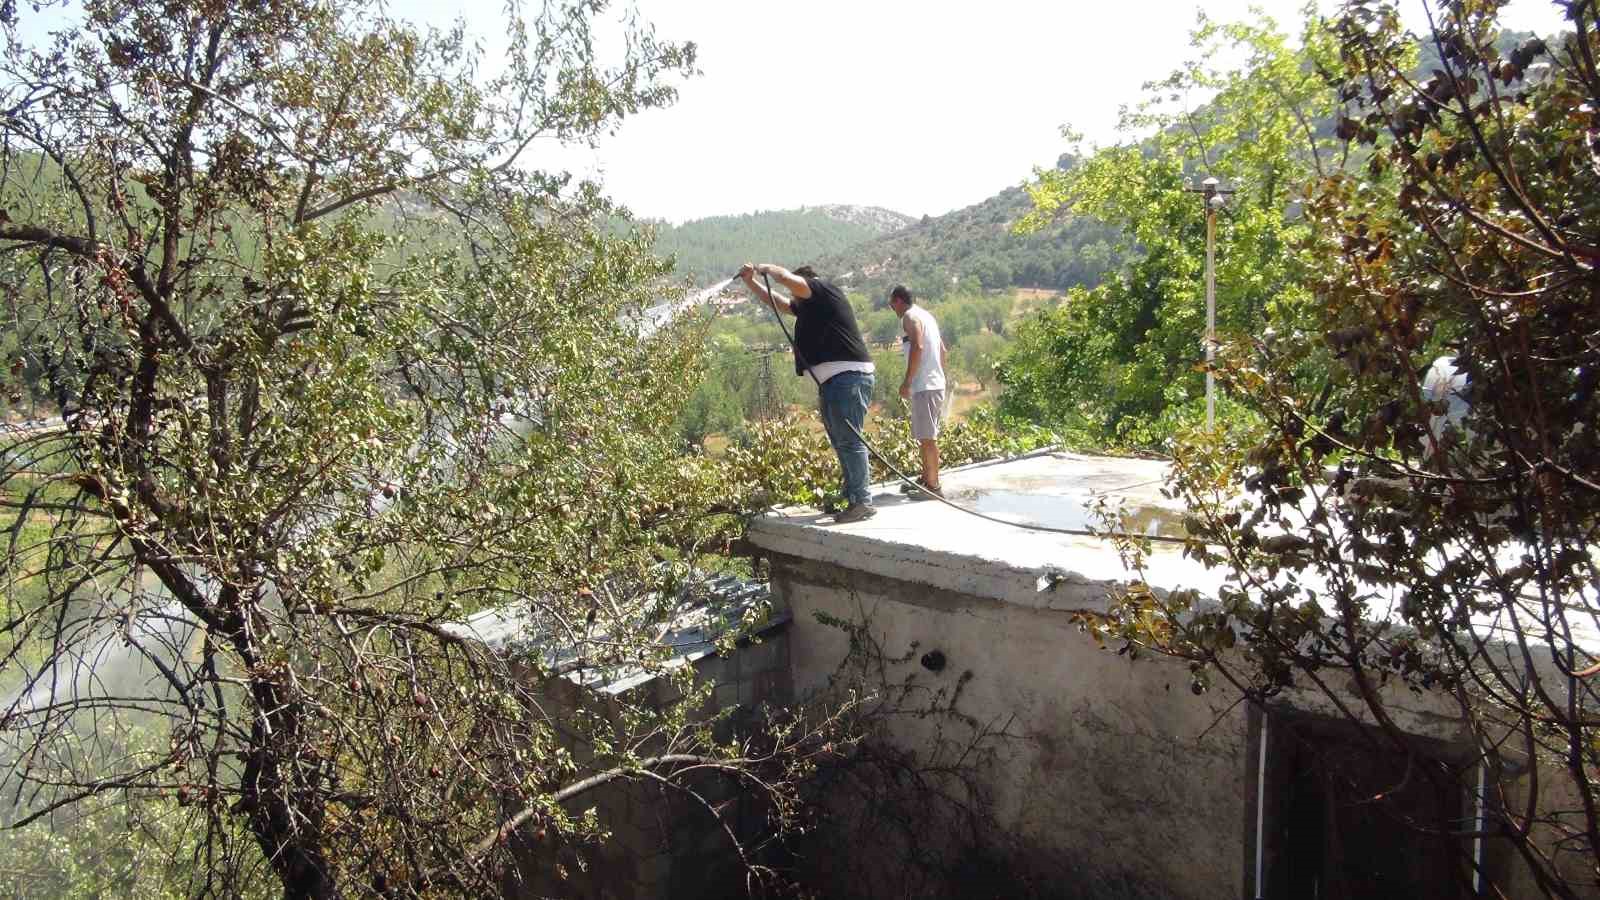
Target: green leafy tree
x=890, y=366
x=881, y=326
x=958, y=318
x=725, y=396
x=711, y=409
x=1121, y=360
x=976, y=358
x=992, y=272
x=994, y=311
x=1377, y=536
x=339, y=365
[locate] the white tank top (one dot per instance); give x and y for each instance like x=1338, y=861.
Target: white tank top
x=929, y=375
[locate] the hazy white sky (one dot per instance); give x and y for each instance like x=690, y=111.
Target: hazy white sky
x=920, y=107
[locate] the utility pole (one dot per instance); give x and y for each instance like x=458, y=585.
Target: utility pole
x=766, y=404
x=766, y=391
x=1214, y=196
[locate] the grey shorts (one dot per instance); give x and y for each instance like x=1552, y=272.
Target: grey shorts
x=927, y=408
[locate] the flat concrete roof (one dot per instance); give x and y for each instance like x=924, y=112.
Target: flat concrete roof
x=708, y=606
x=928, y=542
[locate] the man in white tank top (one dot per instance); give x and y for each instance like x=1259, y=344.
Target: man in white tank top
x=924, y=386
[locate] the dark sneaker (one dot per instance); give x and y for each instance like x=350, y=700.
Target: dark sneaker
x=857, y=512
x=923, y=492
x=915, y=487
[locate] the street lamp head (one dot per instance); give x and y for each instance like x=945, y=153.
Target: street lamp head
x=1211, y=185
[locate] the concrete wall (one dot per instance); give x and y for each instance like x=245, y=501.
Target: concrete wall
x=1122, y=782
x=1117, y=781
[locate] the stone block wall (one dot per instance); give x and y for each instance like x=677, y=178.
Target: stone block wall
x=665, y=844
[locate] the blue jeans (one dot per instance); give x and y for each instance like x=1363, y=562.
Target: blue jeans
x=843, y=399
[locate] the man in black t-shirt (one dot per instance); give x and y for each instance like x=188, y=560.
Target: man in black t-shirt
x=828, y=347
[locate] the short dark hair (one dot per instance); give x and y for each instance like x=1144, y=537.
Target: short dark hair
x=903, y=294
x=806, y=272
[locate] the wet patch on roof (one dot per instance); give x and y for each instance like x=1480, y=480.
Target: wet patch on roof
x=1086, y=513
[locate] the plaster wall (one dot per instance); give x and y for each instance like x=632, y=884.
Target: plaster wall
x=1119, y=782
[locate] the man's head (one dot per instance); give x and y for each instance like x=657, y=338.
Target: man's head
x=900, y=299
x=806, y=272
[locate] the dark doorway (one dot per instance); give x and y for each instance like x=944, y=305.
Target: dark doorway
x=1352, y=816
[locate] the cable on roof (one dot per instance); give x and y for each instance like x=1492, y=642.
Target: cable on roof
x=1075, y=532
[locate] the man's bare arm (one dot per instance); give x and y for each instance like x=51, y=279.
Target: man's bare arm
x=748, y=273
x=913, y=330
x=791, y=282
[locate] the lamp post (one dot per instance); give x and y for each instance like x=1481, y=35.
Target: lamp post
x=1214, y=195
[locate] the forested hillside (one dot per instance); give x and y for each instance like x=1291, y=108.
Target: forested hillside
x=975, y=248
x=870, y=249
x=712, y=249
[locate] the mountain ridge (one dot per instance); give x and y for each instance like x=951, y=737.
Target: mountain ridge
x=974, y=247
x=712, y=248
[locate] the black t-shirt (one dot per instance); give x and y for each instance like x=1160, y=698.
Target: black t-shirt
x=825, y=328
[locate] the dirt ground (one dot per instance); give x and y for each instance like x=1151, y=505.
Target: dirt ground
x=1027, y=300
